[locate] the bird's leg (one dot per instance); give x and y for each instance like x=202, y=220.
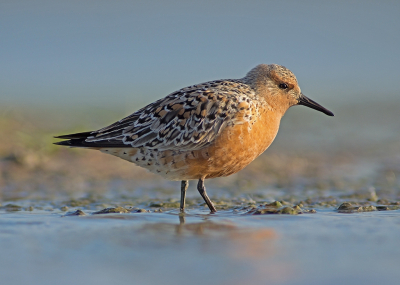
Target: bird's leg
x=184, y=187
x=203, y=193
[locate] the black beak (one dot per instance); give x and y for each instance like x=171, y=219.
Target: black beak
x=303, y=100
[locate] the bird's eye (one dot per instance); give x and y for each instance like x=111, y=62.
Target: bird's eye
x=283, y=86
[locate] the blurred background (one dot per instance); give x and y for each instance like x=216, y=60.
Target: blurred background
x=119, y=53
x=79, y=65
x=74, y=66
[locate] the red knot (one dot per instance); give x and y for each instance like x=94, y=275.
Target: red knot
x=208, y=130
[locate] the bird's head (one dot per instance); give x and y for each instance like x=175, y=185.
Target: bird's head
x=279, y=87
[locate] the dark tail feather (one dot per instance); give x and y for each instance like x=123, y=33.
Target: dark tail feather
x=74, y=136
x=75, y=142
x=79, y=140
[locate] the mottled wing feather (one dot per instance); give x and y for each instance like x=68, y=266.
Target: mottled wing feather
x=188, y=119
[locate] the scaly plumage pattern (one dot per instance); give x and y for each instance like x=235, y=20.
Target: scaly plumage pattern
x=188, y=119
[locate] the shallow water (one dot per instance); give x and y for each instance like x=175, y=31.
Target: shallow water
x=42, y=247
x=317, y=165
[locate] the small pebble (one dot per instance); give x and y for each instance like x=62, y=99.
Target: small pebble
x=116, y=210
x=76, y=213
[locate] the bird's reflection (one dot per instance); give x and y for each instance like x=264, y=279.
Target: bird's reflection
x=246, y=242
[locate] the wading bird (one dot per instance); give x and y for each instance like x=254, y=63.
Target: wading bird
x=208, y=130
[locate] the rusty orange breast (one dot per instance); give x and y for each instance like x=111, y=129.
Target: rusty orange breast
x=234, y=148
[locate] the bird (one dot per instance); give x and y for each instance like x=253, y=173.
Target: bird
x=208, y=130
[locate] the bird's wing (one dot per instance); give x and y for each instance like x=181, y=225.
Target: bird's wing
x=187, y=119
